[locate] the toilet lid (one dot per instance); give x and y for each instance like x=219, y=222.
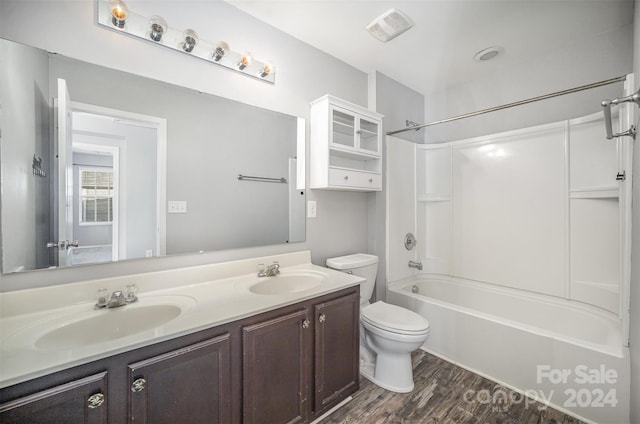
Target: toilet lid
x=394, y=318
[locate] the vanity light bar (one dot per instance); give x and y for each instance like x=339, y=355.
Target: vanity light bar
x=114, y=15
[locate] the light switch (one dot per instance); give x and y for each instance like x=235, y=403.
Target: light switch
x=312, y=209
x=177, y=206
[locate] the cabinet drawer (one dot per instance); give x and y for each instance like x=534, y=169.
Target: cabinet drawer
x=356, y=179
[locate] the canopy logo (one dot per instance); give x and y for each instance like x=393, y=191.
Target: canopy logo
x=583, y=386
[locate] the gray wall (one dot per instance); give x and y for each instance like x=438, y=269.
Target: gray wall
x=25, y=196
x=304, y=74
x=399, y=103
x=635, y=250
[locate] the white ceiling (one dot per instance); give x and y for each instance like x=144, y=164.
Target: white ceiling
x=438, y=51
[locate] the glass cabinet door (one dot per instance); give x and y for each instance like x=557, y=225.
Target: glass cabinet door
x=343, y=127
x=369, y=136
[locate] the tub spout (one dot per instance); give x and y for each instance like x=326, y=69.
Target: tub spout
x=415, y=264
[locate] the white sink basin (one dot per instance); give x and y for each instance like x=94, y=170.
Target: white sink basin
x=106, y=325
x=288, y=283
x=81, y=326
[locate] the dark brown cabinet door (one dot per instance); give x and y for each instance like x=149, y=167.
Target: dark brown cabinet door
x=276, y=369
x=80, y=401
x=336, y=350
x=188, y=385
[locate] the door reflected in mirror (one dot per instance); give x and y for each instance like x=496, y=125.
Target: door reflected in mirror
x=125, y=148
x=117, y=169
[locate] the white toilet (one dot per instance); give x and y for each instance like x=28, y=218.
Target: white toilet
x=388, y=333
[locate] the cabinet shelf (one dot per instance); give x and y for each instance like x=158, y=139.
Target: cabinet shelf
x=343, y=119
x=347, y=168
x=373, y=166
x=352, y=154
x=342, y=128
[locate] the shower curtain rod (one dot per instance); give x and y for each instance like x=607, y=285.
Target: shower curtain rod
x=508, y=105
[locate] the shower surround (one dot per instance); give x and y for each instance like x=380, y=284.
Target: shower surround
x=523, y=237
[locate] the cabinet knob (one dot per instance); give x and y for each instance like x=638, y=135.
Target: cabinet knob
x=346, y=177
x=306, y=323
x=95, y=401
x=370, y=180
x=322, y=318
x=138, y=385
x=359, y=132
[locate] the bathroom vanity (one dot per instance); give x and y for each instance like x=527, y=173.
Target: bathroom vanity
x=262, y=357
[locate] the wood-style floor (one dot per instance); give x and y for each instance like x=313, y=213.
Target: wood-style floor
x=440, y=396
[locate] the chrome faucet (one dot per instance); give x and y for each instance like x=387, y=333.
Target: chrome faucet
x=415, y=264
x=270, y=271
x=118, y=297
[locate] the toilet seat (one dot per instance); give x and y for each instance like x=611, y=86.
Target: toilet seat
x=394, y=319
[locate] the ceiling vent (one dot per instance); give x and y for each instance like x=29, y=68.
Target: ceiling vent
x=389, y=25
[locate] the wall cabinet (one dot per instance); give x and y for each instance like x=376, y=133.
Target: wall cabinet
x=283, y=366
x=346, y=146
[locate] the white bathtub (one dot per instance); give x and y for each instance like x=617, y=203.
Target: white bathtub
x=567, y=353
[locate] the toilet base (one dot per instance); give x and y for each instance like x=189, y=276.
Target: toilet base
x=368, y=370
x=368, y=373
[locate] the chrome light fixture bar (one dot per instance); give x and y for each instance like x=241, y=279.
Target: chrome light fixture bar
x=114, y=15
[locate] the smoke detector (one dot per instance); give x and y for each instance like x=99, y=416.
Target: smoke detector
x=488, y=53
x=389, y=25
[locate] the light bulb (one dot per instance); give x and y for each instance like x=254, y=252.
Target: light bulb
x=158, y=27
x=190, y=40
x=118, y=13
x=245, y=61
x=266, y=69
x=220, y=51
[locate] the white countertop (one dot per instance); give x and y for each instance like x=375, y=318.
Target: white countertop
x=208, y=296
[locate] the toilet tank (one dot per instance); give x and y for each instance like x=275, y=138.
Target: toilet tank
x=362, y=265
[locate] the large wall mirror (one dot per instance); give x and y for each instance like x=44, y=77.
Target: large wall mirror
x=99, y=165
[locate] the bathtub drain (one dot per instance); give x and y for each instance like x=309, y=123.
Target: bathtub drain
x=414, y=289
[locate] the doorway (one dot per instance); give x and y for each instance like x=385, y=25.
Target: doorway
x=111, y=185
